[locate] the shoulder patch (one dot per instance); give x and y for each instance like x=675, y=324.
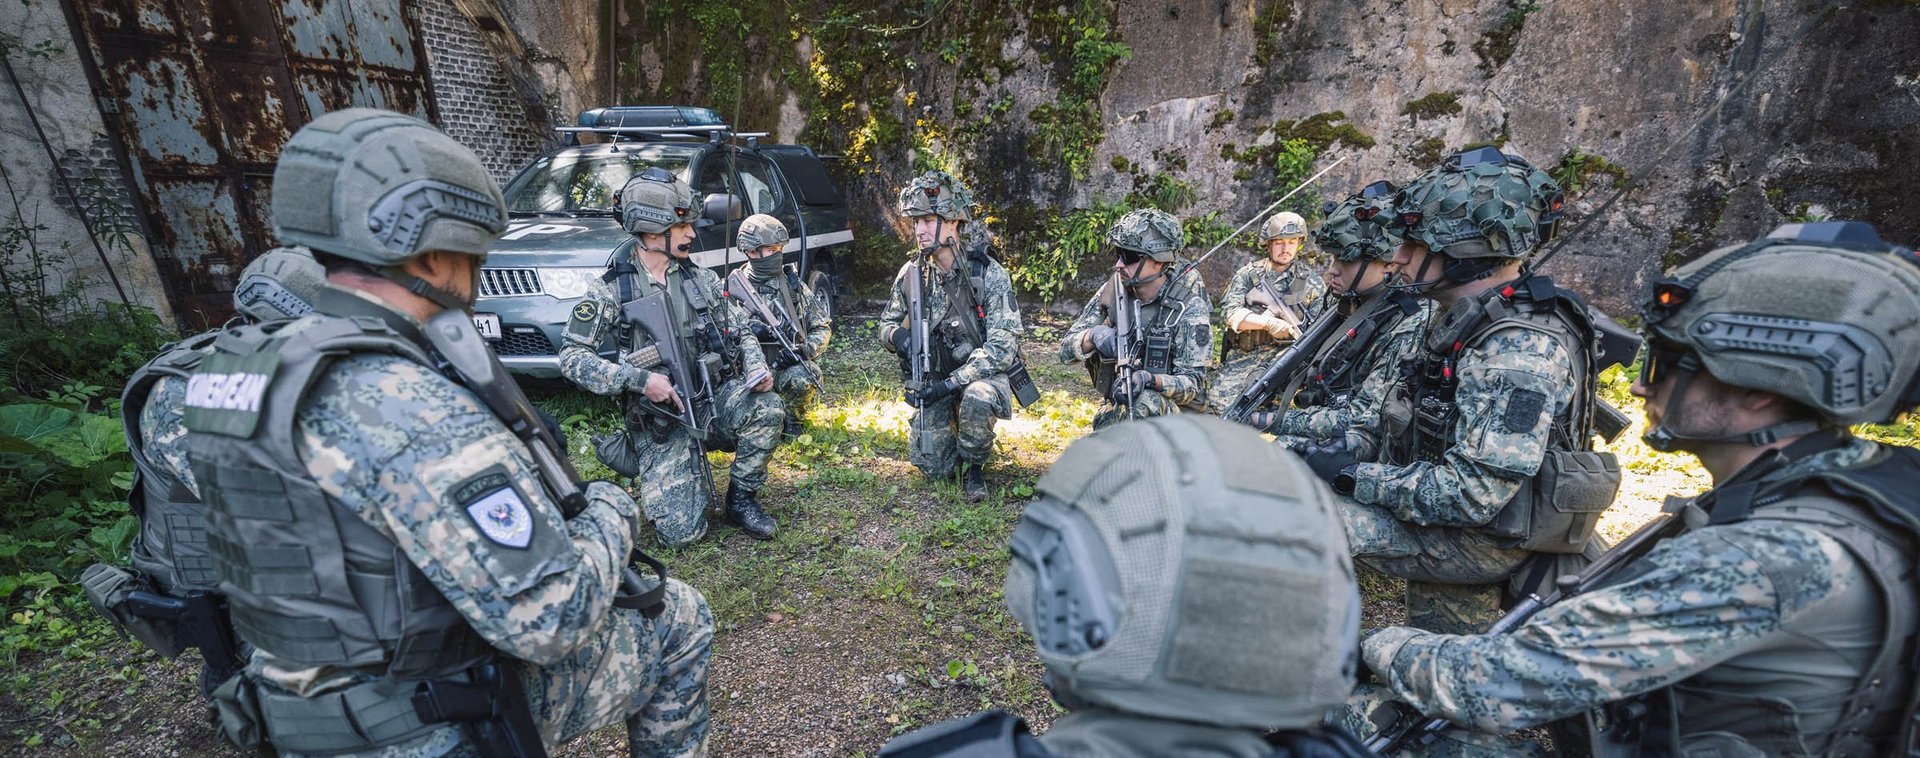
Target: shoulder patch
x=224, y=396
x=585, y=310
x=496, y=508
x=1523, y=410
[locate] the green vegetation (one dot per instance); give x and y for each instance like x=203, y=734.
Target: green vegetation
x=1270, y=24
x=1427, y=152
x=1498, y=43
x=1070, y=239
x=1432, y=105
x=1069, y=129
x=1578, y=167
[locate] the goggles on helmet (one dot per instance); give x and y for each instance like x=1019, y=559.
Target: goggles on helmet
x=1659, y=360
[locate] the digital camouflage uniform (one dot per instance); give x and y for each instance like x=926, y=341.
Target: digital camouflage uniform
x=959, y=428
x=1298, y=287
x=377, y=525
x=1516, y=386
x=1175, y=329
x=797, y=383
x=673, y=477
x=1379, y=363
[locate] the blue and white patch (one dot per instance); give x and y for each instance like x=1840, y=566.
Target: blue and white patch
x=503, y=517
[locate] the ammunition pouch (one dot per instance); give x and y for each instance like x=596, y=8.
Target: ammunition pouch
x=486, y=701
x=363, y=717
x=237, y=715
x=1242, y=342
x=110, y=588
x=1557, y=510
x=617, y=451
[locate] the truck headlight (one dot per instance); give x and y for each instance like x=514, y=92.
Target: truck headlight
x=568, y=283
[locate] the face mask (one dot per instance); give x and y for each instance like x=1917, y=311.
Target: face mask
x=766, y=268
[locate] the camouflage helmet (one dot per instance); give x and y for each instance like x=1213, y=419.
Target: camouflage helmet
x=1357, y=228
x=1821, y=314
x=1283, y=225
x=937, y=193
x=1180, y=568
x=279, y=284
x=380, y=187
x=654, y=201
x=760, y=230
x=1479, y=203
x=1152, y=231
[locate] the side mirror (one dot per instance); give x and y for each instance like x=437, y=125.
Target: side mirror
x=718, y=208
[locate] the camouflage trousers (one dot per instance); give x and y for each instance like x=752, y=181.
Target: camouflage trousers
x=673, y=478
x=1372, y=708
x=1455, y=577
x=651, y=673
x=795, y=384
x=1146, y=404
x=959, y=428
x=1240, y=369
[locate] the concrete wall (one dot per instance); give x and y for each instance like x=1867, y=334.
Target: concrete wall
x=46, y=62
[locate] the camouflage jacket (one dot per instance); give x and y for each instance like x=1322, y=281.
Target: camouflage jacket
x=1380, y=365
x=1183, y=305
x=1700, y=610
x=395, y=442
x=1511, y=387
x=599, y=312
x=1298, y=283
x=797, y=298
x=995, y=296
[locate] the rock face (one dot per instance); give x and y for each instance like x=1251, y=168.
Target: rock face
x=1208, y=90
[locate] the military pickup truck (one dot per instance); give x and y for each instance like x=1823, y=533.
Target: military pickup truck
x=563, y=230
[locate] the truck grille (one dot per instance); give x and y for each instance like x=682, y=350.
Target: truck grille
x=516, y=342
x=504, y=282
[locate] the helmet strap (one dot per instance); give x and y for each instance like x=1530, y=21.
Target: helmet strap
x=1361, y=273
x=418, y=286
x=1136, y=281
x=1666, y=439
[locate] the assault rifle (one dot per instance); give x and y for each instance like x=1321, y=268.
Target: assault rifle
x=919, y=357
x=692, y=379
x=1264, y=297
x=786, y=331
x=1281, y=373
x=1413, y=732
x=1127, y=343
x=453, y=335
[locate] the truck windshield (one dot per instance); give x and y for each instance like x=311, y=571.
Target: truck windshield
x=583, y=181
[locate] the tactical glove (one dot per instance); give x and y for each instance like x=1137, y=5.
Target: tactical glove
x=935, y=392
x=900, y=340
x=1328, y=464
x=1105, y=341
x=1137, y=382
x=1280, y=329
x=760, y=330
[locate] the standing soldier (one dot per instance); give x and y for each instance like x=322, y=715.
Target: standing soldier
x=1349, y=376
x=391, y=539
x=180, y=605
x=1189, y=590
x=799, y=329
x=1147, y=354
x=1267, y=304
x=967, y=353
x=691, y=379
x=1772, y=614
x=1484, y=447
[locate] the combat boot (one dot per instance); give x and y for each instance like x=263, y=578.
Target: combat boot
x=974, y=482
x=792, y=429
x=744, y=511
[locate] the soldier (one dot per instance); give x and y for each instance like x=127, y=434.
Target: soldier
x=1189, y=593
x=1774, y=614
x=390, y=539
x=670, y=427
x=179, y=604
x=973, y=369
x=1171, y=320
x=1349, y=376
x=1483, y=447
x=1266, y=305
x=763, y=238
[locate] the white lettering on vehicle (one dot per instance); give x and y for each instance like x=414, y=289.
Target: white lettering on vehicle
x=520, y=231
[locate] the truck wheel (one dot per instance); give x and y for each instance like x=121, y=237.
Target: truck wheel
x=822, y=286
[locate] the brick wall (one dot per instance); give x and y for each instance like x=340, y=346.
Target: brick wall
x=476, y=100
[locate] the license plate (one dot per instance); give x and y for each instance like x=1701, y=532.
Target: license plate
x=488, y=325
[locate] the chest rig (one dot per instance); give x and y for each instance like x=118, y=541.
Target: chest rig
x=1341, y=366
x=1269, y=283
x=697, y=329
x=1873, y=510
x=308, y=580
x=172, y=548
x=957, y=320
x=1160, y=324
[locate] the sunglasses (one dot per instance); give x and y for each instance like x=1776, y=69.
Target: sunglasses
x=1661, y=360
x=1129, y=257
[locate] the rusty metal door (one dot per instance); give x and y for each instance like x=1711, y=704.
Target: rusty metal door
x=201, y=94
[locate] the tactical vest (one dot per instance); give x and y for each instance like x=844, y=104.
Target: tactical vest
x=1873, y=511
x=962, y=327
x=1557, y=510
x=309, y=581
x=701, y=334
x=172, y=548
x=1159, y=327
x=1294, y=300
x=786, y=288
x=998, y=734
x=1340, y=366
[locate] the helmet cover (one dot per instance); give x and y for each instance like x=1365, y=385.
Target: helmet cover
x=279, y=284
x=936, y=193
x=1152, y=231
x=1479, y=203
